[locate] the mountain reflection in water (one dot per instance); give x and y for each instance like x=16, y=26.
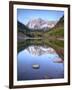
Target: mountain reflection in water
x=40, y=50
x=51, y=65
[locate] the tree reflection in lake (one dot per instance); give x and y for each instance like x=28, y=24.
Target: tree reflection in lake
x=38, y=53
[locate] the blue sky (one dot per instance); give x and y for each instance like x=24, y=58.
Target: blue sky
x=24, y=15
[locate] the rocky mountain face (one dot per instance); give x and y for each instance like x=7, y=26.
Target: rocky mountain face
x=39, y=24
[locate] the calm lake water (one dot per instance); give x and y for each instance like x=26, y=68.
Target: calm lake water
x=50, y=63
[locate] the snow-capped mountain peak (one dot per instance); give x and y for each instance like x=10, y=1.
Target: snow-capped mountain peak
x=40, y=24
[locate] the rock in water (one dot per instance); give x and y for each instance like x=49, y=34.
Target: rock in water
x=35, y=66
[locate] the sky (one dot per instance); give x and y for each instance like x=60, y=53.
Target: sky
x=24, y=15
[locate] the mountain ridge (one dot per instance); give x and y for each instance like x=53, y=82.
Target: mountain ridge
x=40, y=24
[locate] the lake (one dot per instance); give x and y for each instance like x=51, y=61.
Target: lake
x=38, y=53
